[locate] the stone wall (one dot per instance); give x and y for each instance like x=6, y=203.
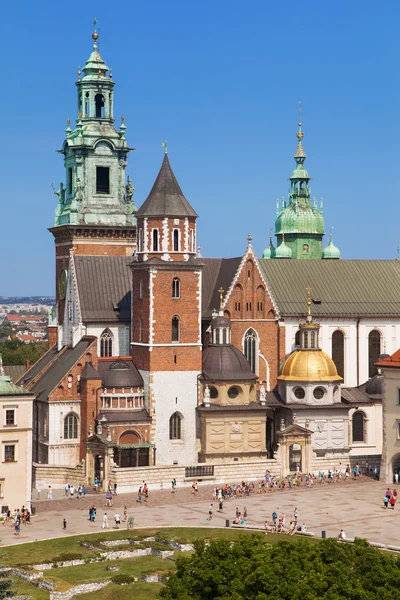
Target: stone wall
x=161, y=476
x=56, y=476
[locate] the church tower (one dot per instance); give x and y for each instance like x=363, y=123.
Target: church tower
x=95, y=214
x=166, y=316
x=299, y=226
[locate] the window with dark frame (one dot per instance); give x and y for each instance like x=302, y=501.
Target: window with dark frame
x=176, y=288
x=175, y=329
x=176, y=240
x=71, y=427
x=99, y=103
x=175, y=428
x=106, y=343
x=155, y=240
x=102, y=180
x=70, y=180
x=10, y=416
x=338, y=351
x=358, y=427
x=9, y=453
x=374, y=350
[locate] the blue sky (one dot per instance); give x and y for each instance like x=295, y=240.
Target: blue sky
x=221, y=82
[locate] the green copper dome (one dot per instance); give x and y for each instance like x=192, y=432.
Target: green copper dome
x=283, y=251
x=331, y=251
x=270, y=251
x=299, y=218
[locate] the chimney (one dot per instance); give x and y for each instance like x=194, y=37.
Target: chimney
x=27, y=364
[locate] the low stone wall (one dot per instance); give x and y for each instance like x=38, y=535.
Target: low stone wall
x=56, y=476
x=333, y=462
x=84, y=588
x=160, y=477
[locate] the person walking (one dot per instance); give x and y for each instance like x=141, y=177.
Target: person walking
x=396, y=478
x=386, y=501
x=49, y=493
x=96, y=484
x=71, y=491
x=105, y=522
x=125, y=514
x=392, y=502
x=80, y=491
x=117, y=520
x=67, y=489
x=210, y=513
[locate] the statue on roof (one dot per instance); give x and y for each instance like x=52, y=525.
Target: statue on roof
x=129, y=190
x=59, y=193
x=78, y=191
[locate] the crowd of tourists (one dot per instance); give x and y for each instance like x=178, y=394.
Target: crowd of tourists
x=15, y=518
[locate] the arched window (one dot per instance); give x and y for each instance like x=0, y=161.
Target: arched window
x=358, y=427
x=176, y=287
x=175, y=329
x=374, y=350
x=141, y=289
x=176, y=240
x=99, y=103
x=250, y=349
x=71, y=427
x=106, y=343
x=155, y=240
x=87, y=105
x=297, y=338
x=175, y=427
x=338, y=351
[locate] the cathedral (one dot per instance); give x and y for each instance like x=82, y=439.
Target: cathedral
x=160, y=357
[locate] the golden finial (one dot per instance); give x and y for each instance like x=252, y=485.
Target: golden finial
x=308, y=288
x=221, y=296
x=165, y=146
x=68, y=122
x=300, y=134
x=79, y=72
x=95, y=35
x=123, y=119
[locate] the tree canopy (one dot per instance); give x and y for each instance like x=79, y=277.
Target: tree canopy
x=252, y=569
x=15, y=352
x=5, y=584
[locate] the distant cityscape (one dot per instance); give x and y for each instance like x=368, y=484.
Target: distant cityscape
x=25, y=318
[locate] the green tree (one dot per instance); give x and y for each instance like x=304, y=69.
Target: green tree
x=252, y=569
x=6, y=584
x=15, y=352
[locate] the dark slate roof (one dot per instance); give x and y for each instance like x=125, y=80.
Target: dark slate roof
x=104, y=287
x=226, y=363
x=119, y=373
x=15, y=372
x=370, y=391
x=340, y=288
x=38, y=366
x=124, y=417
x=89, y=372
x=217, y=272
x=65, y=360
x=166, y=198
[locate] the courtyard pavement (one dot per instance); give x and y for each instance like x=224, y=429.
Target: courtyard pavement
x=355, y=506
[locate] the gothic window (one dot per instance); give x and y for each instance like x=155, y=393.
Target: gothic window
x=237, y=306
x=250, y=349
x=176, y=288
x=176, y=240
x=358, y=427
x=175, y=329
x=102, y=180
x=71, y=427
x=106, y=343
x=338, y=351
x=175, y=427
x=155, y=240
x=374, y=350
x=99, y=103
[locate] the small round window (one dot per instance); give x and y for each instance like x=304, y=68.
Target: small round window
x=299, y=393
x=213, y=392
x=233, y=392
x=319, y=393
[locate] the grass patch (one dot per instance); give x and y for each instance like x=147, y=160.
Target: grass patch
x=23, y=588
x=137, y=591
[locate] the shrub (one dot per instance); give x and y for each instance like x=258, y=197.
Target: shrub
x=122, y=579
x=69, y=556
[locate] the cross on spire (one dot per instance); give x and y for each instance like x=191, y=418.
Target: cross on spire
x=308, y=288
x=165, y=146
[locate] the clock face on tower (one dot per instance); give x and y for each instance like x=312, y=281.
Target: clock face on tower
x=62, y=283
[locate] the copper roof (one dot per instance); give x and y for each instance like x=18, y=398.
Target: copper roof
x=226, y=363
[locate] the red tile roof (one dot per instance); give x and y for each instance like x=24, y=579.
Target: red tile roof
x=391, y=361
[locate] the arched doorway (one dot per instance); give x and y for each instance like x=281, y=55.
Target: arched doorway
x=395, y=466
x=295, y=457
x=130, y=451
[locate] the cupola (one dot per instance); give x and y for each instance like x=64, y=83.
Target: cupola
x=283, y=250
x=331, y=251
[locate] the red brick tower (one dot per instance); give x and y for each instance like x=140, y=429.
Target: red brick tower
x=166, y=316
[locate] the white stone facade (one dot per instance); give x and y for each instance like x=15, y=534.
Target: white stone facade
x=62, y=451
x=356, y=334
x=170, y=392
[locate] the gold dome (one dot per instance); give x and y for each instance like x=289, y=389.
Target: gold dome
x=309, y=365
